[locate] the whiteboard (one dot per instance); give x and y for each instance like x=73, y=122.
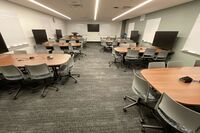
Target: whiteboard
x=192, y=43
x=11, y=29
x=150, y=29
x=131, y=27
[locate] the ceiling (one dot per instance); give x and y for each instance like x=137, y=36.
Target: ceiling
x=83, y=10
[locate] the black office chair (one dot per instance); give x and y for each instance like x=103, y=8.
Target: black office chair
x=40, y=72
x=179, y=117
x=12, y=73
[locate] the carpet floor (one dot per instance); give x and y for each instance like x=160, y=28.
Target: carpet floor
x=93, y=105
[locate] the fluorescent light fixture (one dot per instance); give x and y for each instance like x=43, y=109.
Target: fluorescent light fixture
x=50, y=9
x=132, y=9
x=96, y=9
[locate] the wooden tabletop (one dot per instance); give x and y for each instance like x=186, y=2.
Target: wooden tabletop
x=72, y=38
x=20, y=60
x=124, y=50
x=61, y=44
x=167, y=80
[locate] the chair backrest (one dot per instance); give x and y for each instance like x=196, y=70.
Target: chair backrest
x=40, y=71
x=177, y=115
x=149, y=52
x=140, y=87
x=67, y=65
x=174, y=64
x=72, y=41
x=58, y=52
x=71, y=49
x=156, y=65
x=132, y=53
x=132, y=44
x=162, y=55
x=62, y=40
x=56, y=48
x=197, y=63
x=20, y=52
x=11, y=73
x=124, y=45
x=114, y=43
x=41, y=49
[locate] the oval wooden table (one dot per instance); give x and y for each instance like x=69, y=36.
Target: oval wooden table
x=167, y=80
x=61, y=44
x=20, y=60
x=124, y=50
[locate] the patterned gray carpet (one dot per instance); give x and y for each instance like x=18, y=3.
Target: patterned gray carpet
x=93, y=105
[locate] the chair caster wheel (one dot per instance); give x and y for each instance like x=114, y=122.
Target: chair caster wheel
x=142, y=121
x=78, y=76
x=124, y=110
x=75, y=82
x=142, y=130
x=15, y=98
x=43, y=96
x=57, y=90
x=124, y=98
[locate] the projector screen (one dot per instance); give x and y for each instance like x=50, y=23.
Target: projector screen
x=93, y=27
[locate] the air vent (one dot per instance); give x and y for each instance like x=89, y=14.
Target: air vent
x=77, y=5
x=126, y=7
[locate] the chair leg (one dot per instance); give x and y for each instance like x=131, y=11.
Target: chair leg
x=43, y=91
x=16, y=94
x=135, y=102
x=73, y=78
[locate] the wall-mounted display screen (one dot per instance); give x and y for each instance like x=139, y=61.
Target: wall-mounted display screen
x=165, y=39
x=3, y=47
x=40, y=35
x=93, y=27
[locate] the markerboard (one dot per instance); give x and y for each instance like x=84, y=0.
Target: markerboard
x=131, y=27
x=192, y=44
x=150, y=29
x=11, y=29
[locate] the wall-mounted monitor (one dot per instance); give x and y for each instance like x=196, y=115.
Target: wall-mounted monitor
x=58, y=34
x=135, y=36
x=40, y=35
x=165, y=39
x=3, y=47
x=93, y=27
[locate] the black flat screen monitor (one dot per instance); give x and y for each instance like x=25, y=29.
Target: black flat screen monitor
x=93, y=27
x=3, y=47
x=58, y=34
x=165, y=39
x=134, y=36
x=40, y=36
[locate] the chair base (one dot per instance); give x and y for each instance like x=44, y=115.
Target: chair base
x=138, y=103
x=70, y=75
x=43, y=94
x=114, y=62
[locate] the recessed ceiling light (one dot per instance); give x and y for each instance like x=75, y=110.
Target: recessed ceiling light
x=50, y=9
x=132, y=9
x=96, y=9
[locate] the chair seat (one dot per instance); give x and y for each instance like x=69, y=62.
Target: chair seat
x=130, y=58
x=150, y=96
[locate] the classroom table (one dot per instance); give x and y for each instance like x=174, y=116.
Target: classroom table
x=167, y=80
x=61, y=44
x=21, y=60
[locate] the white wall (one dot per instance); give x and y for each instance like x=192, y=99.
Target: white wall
x=31, y=19
x=106, y=29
